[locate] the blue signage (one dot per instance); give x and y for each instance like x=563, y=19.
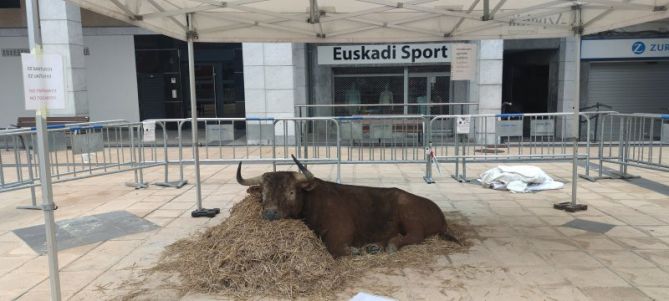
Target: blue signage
x=638, y=47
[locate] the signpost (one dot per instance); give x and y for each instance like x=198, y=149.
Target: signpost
x=43, y=85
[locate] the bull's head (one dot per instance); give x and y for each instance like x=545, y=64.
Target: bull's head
x=282, y=191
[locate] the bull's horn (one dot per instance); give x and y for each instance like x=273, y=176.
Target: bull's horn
x=247, y=182
x=303, y=169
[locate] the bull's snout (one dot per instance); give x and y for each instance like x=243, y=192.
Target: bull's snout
x=270, y=214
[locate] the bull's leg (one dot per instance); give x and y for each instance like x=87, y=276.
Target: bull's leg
x=412, y=237
x=339, y=244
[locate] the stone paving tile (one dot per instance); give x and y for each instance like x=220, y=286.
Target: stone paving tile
x=644, y=276
x=590, y=242
x=657, y=293
x=621, y=259
x=659, y=257
x=592, y=277
x=566, y=293
x=658, y=231
x=615, y=294
x=571, y=259
x=643, y=243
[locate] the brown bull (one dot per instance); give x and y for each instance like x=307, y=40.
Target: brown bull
x=347, y=217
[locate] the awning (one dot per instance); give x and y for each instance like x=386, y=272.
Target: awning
x=368, y=21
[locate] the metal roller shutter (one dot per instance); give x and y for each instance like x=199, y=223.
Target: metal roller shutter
x=637, y=87
x=629, y=87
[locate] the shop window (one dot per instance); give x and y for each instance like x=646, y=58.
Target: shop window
x=375, y=89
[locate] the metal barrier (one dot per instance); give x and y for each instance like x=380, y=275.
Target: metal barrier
x=250, y=140
x=397, y=109
x=383, y=139
x=632, y=140
x=76, y=151
x=494, y=138
x=95, y=149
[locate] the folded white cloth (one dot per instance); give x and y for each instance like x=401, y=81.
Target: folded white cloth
x=521, y=178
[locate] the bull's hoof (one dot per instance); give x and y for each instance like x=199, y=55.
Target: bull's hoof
x=355, y=251
x=373, y=249
x=391, y=248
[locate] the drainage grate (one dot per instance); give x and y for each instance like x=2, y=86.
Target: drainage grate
x=589, y=226
x=86, y=230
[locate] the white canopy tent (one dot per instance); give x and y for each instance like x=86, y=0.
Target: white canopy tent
x=367, y=21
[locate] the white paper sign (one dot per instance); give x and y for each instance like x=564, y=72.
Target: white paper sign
x=463, y=125
x=43, y=81
x=463, y=65
x=149, y=131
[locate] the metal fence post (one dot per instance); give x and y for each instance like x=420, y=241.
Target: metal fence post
x=199, y=211
x=178, y=183
x=35, y=39
x=427, y=142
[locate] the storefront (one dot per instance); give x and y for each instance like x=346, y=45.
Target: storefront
x=377, y=76
x=626, y=75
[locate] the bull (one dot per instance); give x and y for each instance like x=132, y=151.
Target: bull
x=348, y=217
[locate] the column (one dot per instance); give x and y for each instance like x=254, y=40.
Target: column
x=486, y=90
x=567, y=82
x=62, y=34
x=274, y=81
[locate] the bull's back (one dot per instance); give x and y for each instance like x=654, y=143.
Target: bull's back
x=379, y=213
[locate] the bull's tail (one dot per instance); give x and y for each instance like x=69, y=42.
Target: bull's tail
x=444, y=234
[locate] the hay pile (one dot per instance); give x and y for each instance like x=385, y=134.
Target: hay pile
x=248, y=256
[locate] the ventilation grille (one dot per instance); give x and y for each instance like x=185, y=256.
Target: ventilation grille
x=18, y=51
x=14, y=51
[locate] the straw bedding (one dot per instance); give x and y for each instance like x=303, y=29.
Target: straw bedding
x=247, y=256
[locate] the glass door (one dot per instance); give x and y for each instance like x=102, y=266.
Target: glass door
x=426, y=89
x=205, y=89
x=439, y=93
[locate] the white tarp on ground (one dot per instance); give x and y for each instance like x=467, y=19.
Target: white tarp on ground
x=369, y=21
x=522, y=178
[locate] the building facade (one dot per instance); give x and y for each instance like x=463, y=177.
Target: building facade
x=116, y=71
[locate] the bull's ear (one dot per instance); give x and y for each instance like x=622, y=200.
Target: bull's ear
x=308, y=185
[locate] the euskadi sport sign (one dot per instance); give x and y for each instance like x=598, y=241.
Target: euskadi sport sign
x=384, y=54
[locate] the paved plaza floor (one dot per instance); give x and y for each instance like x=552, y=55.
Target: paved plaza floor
x=523, y=251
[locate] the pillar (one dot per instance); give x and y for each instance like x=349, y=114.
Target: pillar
x=274, y=82
x=62, y=34
x=486, y=89
x=567, y=82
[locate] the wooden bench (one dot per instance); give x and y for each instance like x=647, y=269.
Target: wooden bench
x=29, y=122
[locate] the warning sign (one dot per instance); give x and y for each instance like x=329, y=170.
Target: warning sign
x=463, y=125
x=43, y=81
x=149, y=127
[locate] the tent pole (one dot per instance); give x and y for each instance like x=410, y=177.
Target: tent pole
x=572, y=206
x=35, y=41
x=199, y=211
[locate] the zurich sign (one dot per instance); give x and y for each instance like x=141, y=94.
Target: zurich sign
x=638, y=47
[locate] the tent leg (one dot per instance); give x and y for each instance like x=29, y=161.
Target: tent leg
x=572, y=206
x=199, y=211
x=35, y=40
